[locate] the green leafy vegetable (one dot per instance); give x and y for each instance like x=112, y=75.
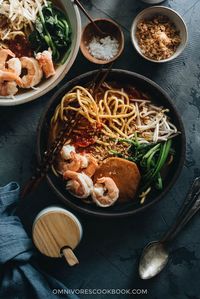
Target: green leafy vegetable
x=52, y=31
x=150, y=158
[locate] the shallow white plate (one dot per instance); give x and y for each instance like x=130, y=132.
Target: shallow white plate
x=74, y=18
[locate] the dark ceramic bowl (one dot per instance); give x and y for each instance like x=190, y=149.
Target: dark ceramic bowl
x=160, y=98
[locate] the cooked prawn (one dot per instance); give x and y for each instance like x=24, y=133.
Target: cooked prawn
x=105, y=192
x=46, y=63
x=69, y=159
x=73, y=164
x=9, y=75
x=8, y=82
x=34, y=72
x=76, y=162
x=79, y=184
x=84, y=161
x=8, y=88
x=4, y=54
x=66, y=151
x=92, y=165
x=14, y=64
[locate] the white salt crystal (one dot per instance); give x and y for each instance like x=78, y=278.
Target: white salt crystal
x=104, y=48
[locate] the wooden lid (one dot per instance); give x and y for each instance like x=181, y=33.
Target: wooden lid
x=55, y=230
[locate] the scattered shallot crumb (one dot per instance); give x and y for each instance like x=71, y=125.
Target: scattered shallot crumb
x=157, y=37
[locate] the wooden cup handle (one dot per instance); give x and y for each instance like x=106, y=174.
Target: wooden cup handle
x=70, y=256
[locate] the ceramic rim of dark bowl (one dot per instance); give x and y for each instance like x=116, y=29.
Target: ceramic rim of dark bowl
x=165, y=190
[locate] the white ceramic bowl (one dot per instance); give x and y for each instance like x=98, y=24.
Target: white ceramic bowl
x=152, y=1
x=173, y=16
x=72, y=12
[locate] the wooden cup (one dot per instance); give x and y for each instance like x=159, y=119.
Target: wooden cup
x=56, y=233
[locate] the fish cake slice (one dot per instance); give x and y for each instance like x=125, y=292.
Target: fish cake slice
x=125, y=174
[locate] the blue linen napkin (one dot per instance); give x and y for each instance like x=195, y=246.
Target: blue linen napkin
x=20, y=276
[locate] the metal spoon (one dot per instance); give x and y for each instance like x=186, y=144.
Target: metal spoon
x=155, y=255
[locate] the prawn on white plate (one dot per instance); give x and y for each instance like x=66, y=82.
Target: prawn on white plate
x=4, y=54
x=15, y=65
x=34, y=72
x=45, y=61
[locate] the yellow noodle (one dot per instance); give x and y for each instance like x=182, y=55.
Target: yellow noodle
x=102, y=142
x=111, y=108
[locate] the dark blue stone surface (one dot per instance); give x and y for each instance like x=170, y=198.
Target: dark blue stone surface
x=110, y=250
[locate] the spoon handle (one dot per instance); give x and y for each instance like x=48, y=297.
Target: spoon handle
x=189, y=209
x=77, y=2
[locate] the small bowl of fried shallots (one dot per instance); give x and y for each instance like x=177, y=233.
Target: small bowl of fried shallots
x=159, y=34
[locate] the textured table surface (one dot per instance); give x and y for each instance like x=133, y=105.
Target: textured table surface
x=110, y=250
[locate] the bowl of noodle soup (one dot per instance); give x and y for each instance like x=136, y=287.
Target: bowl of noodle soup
x=117, y=124
x=70, y=11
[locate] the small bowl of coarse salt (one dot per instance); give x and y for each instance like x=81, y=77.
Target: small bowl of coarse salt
x=159, y=34
x=102, y=46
